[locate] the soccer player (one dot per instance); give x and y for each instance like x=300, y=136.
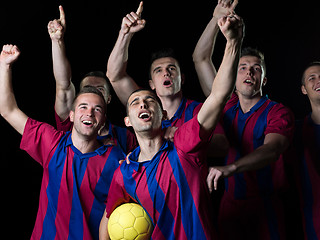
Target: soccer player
x=77, y=168
x=165, y=78
x=259, y=132
x=65, y=90
x=306, y=149
x=169, y=179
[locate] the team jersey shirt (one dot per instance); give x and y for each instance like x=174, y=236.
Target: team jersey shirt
x=171, y=186
x=186, y=111
x=119, y=136
x=74, y=186
x=307, y=151
x=246, y=132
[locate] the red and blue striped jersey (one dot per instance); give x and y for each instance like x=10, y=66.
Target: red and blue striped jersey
x=121, y=137
x=307, y=150
x=186, y=110
x=74, y=186
x=171, y=187
x=246, y=132
x=251, y=196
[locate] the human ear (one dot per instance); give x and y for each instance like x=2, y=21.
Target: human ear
x=127, y=122
x=151, y=84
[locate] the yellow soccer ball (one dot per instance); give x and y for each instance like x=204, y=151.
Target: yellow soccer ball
x=129, y=221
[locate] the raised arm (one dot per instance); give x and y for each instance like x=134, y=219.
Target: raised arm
x=8, y=105
x=202, y=55
x=232, y=28
x=65, y=90
x=121, y=82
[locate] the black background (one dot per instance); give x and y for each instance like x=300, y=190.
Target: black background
x=288, y=33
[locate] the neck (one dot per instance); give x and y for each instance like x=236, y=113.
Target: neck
x=149, y=145
x=84, y=145
x=171, y=103
x=247, y=103
x=315, y=115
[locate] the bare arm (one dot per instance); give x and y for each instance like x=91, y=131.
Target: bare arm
x=103, y=228
x=202, y=55
x=208, y=116
x=65, y=90
x=274, y=145
x=8, y=105
x=121, y=82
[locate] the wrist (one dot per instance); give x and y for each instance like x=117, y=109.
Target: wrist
x=5, y=66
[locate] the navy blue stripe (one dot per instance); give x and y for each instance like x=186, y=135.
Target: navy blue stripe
x=190, y=218
x=121, y=136
x=79, y=167
x=264, y=175
x=55, y=169
x=166, y=220
x=189, y=111
x=102, y=189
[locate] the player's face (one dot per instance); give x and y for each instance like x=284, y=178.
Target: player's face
x=99, y=83
x=311, y=85
x=144, y=112
x=166, y=77
x=251, y=77
x=88, y=115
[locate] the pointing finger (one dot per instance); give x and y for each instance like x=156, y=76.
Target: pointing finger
x=62, y=16
x=140, y=9
x=234, y=4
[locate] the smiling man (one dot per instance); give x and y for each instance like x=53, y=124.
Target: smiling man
x=77, y=168
x=306, y=152
x=169, y=178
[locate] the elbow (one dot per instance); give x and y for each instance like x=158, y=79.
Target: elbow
x=198, y=58
x=110, y=75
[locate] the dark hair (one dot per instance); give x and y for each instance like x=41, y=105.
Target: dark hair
x=163, y=53
x=99, y=74
x=148, y=90
x=249, y=51
x=314, y=63
x=89, y=89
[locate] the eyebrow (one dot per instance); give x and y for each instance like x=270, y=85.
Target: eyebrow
x=137, y=98
x=170, y=65
x=86, y=104
x=134, y=100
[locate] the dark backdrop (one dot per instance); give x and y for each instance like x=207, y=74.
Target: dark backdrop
x=287, y=33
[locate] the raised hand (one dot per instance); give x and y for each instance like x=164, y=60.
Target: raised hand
x=224, y=8
x=9, y=54
x=132, y=22
x=232, y=26
x=57, y=27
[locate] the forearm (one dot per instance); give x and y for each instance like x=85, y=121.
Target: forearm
x=202, y=56
x=205, y=46
x=222, y=87
x=103, y=228
x=224, y=83
x=8, y=105
x=61, y=65
x=261, y=157
x=121, y=82
x=117, y=62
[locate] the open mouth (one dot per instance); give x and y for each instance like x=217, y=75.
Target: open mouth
x=87, y=122
x=318, y=89
x=248, y=81
x=144, y=115
x=167, y=83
